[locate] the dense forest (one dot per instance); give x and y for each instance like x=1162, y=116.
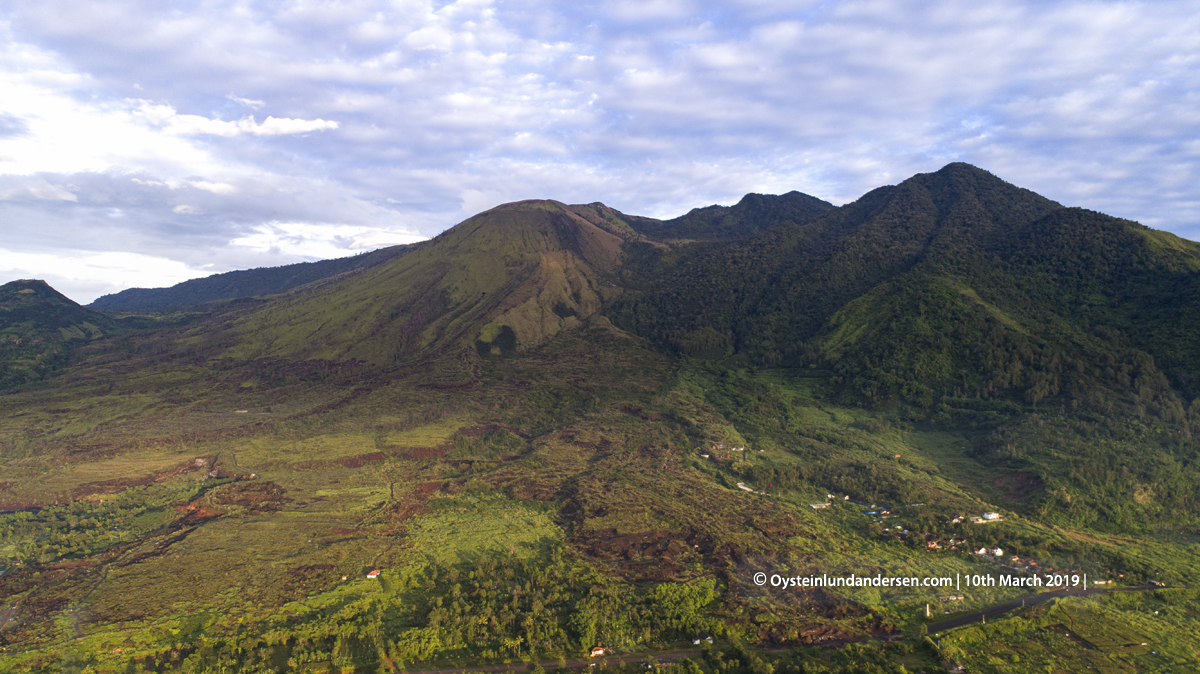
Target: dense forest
x=754, y=214
x=952, y=284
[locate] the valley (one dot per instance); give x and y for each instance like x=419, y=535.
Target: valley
x=559, y=427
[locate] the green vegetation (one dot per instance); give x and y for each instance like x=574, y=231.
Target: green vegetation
x=1121, y=632
x=39, y=327
x=549, y=431
x=240, y=284
x=754, y=214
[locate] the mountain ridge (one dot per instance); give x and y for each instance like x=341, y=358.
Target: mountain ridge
x=753, y=214
x=544, y=429
x=513, y=275
x=240, y=283
x=959, y=228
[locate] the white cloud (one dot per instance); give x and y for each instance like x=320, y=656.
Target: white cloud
x=215, y=188
x=66, y=135
x=273, y=126
x=171, y=122
x=432, y=37
x=379, y=238
x=315, y=241
x=643, y=10
x=445, y=109
x=38, y=188
x=252, y=104
x=85, y=275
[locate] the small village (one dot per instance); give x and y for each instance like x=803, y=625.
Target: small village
x=929, y=541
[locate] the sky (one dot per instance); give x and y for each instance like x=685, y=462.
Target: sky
x=145, y=142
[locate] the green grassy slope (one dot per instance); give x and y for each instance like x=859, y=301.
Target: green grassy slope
x=503, y=280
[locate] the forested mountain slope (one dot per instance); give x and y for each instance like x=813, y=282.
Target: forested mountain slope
x=241, y=283
x=953, y=283
x=38, y=328
x=754, y=214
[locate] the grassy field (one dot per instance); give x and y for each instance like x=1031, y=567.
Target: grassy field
x=188, y=532
x=1119, y=633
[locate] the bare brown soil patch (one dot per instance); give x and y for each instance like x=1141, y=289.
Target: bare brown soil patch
x=544, y=485
x=254, y=496
x=643, y=555
x=426, y=453
x=309, y=579
x=427, y=489
x=196, y=512
x=410, y=505
x=362, y=460
x=818, y=634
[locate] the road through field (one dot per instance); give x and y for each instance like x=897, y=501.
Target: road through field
x=1001, y=609
x=666, y=657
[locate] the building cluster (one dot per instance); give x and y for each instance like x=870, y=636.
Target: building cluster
x=720, y=451
x=952, y=544
x=878, y=516
x=986, y=518
x=743, y=487
x=933, y=542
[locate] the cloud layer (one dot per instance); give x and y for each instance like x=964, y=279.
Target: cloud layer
x=232, y=134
